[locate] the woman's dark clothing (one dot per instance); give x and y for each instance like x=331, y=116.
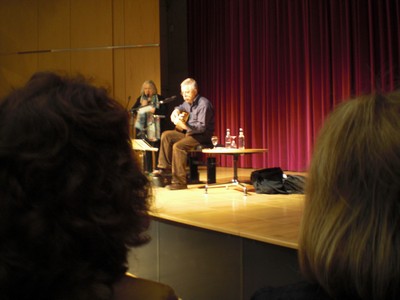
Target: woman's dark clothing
x=298, y=291
x=142, y=132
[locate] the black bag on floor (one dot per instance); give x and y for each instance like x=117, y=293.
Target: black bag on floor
x=273, y=181
x=268, y=181
x=294, y=184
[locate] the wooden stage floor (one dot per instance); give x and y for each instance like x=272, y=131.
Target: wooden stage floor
x=273, y=219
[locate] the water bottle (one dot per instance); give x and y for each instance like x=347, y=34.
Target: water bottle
x=228, y=138
x=241, y=139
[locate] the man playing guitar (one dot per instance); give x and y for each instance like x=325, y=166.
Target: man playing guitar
x=194, y=123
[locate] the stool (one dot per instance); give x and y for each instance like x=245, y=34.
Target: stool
x=195, y=159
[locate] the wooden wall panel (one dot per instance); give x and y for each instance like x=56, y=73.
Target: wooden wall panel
x=119, y=54
x=57, y=61
x=54, y=34
x=119, y=89
x=142, y=22
x=133, y=66
x=91, y=23
x=119, y=22
x=18, y=32
x=54, y=24
x=78, y=33
x=15, y=70
x=141, y=64
x=18, y=25
x=91, y=27
x=96, y=64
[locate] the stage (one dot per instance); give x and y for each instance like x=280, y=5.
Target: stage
x=272, y=219
x=220, y=245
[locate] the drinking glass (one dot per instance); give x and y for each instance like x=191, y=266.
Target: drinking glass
x=214, y=140
x=233, y=143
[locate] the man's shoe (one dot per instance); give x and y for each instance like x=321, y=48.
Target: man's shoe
x=161, y=172
x=177, y=186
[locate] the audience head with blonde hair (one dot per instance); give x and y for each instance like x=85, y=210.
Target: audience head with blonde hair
x=350, y=236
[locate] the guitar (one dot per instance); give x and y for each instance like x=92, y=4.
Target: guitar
x=183, y=116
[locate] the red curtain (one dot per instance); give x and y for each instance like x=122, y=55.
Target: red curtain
x=276, y=68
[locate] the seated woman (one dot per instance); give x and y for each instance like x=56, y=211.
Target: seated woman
x=73, y=199
x=350, y=234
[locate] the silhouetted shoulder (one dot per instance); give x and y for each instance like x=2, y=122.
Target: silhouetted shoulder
x=131, y=288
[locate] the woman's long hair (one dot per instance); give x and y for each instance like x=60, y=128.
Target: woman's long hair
x=350, y=235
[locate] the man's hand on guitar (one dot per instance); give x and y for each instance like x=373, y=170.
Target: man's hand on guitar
x=179, y=119
x=175, y=116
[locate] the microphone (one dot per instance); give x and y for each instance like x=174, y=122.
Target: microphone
x=166, y=100
x=169, y=99
x=129, y=100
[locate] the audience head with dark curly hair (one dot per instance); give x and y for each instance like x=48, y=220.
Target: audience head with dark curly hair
x=73, y=198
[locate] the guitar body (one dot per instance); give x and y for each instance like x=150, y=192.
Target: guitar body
x=183, y=116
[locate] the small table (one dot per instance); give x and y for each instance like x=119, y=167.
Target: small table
x=235, y=154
